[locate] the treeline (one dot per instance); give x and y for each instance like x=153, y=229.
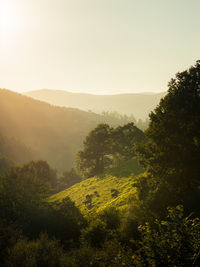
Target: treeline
x=115, y=119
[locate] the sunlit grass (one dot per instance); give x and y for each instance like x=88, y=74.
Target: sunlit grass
x=103, y=186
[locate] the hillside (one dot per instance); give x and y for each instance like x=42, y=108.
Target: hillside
x=15, y=150
x=51, y=133
x=100, y=191
x=137, y=104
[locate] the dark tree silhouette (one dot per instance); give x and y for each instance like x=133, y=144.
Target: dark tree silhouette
x=171, y=154
x=95, y=155
x=123, y=139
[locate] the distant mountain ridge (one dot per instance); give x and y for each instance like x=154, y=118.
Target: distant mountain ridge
x=140, y=104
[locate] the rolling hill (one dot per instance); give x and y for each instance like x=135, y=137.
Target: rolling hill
x=137, y=104
x=54, y=134
x=15, y=150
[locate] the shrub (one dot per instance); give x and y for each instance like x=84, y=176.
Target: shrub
x=111, y=218
x=170, y=242
x=96, y=233
x=114, y=192
x=39, y=253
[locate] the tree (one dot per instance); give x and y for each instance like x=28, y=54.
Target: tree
x=23, y=204
x=123, y=139
x=171, y=154
x=173, y=241
x=68, y=221
x=95, y=156
x=106, y=146
x=22, y=189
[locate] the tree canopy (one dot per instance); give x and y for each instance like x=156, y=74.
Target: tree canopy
x=96, y=150
x=105, y=145
x=171, y=154
x=123, y=139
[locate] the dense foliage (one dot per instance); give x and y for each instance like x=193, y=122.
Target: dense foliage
x=67, y=179
x=171, y=154
x=26, y=213
x=106, y=145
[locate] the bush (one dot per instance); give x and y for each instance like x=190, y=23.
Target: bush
x=114, y=192
x=96, y=233
x=39, y=253
x=112, y=253
x=170, y=242
x=65, y=222
x=111, y=218
x=8, y=237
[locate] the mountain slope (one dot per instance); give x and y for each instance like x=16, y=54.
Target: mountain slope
x=52, y=133
x=137, y=104
x=15, y=150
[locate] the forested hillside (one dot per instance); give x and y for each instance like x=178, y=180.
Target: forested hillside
x=42, y=131
x=137, y=104
x=15, y=150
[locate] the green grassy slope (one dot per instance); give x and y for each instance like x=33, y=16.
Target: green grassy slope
x=103, y=186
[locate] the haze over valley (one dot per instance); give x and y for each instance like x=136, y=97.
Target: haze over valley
x=139, y=105
x=32, y=129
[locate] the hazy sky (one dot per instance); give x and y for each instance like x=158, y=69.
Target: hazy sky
x=96, y=46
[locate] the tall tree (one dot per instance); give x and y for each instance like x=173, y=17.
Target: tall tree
x=105, y=147
x=95, y=155
x=123, y=139
x=171, y=154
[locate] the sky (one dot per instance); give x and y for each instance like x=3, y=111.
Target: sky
x=97, y=46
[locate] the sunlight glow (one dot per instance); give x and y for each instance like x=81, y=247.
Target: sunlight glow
x=98, y=47
x=10, y=20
